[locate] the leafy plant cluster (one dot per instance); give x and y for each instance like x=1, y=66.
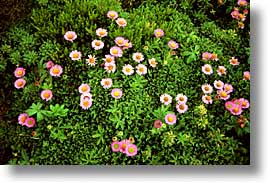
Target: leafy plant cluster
x=66, y=134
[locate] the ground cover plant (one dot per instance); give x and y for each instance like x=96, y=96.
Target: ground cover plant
x=126, y=82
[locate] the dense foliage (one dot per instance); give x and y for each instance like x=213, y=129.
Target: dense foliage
x=64, y=133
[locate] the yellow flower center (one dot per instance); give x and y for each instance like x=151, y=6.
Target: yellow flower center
x=158, y=33
x=138, y=57
x=116, y=146
x=84, y=88
x=124, y=145
x=170, y=118
x=236, y=110
x=173, y=45
x=208, y=98
x=46, y=95
x=206, y=88
x=181, y=107
x=109, y=60
x=102, y=33
x=19, y=72
x=120, y=41
x=115, y=51
x=181, y=99
x=70, y=36
x=207, y=69
x=86, y=103
x=56, y=70
x=75, y=55
x=244, y=103
x=97, y=43
x=128, y=69
x=229, y=106
x=234, y=61
x=223, y=94
x=92, y=60
x=121, y=22
x=153, y=62
x=19, y=83
x=227, y=88
x=126, y=44
x=131, y=150
x=30, y=122
x=116, y=93
x=218, y=84
x=110, y=67
x=141, y=69
x=106, y=83
x=112, y=15
x=166, y=99
x=23, y=118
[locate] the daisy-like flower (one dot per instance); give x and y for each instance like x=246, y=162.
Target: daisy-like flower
x=166, y=99
x=19, y=72
x=206, y=56
x=19, y=83
x=46, y=95
x=70, y=36
x=207, y=99
x=245, y=103
x=214, y=57
x=56, y=70
x=75, y=55
x=228, y=88
x=109, y=59
x=22, y=118
x=128, y=69
x=30, y=122
x=182, y=107
x=237, y=102
x=127, y=44
x=221, y=70
x=207, y=69
x=101, y=32
x=235, y=14
x=49, y=64
x=236, y=110
x=110, y=67
x=141, y=69
x=234, y=61
x=86, y=103
x=170, y=119
x=180, y=98
x=116, y=93
x=241, y=25
x=116, y=146
x=207, y=88
x=106, y=83
x=138, y=57
x=131, y=150
x=84, y=88
x=124, y=144
x=91, y=60
x=112, y=15
x=152, y=62
x=116, y=51
x=121, y=22
x=229, y=105
x=246, y=75
x=223, y=95
x=218, y=84
x=120, y=41
x=158, y=33
x=85, y=96
x=242, y=3
x=97, y=44
x=173, y=45
x=158, y=124
x=242, y=17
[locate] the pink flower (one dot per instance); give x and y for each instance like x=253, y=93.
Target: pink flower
x=182, y=108
x=46, y=95
x=221, y=70
x=173, y=45
x=70, y=36
x=84, y=88
x=131, y=150
x=138, y=57
x=101, y=32
x=86, y=103
x=234, y=61
x=228, y=88
x=116, y=93
x=242, y=3
x=116, y=146
x=109, y=59
x=166, y=99
x=207, y=69
x=121, y=22
x=127, y=44
x=206, y=56
x=158, y=33
x=237, y=102
x=236, y=110
x=30, y=122
x=207, y=99
x=218, y=84
x=49, y=64
x=124, y=144
x=214, y=57
x=22, y=118
x=223, y=95
x=181, y=98
x=19, y=72
x=116, y=51
x=106, y=83
x=97, y=44
x=120, y=41
x=170, y=119
x=235, y=14
x=85, y=96
x=20, y=83
x=157, y=124
x=229, y=105
x=112, y=14
x=246, y=75
x=110, y=67
x=207, y=88
x=75, y=55
x=56, y=70
x=245, y=103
